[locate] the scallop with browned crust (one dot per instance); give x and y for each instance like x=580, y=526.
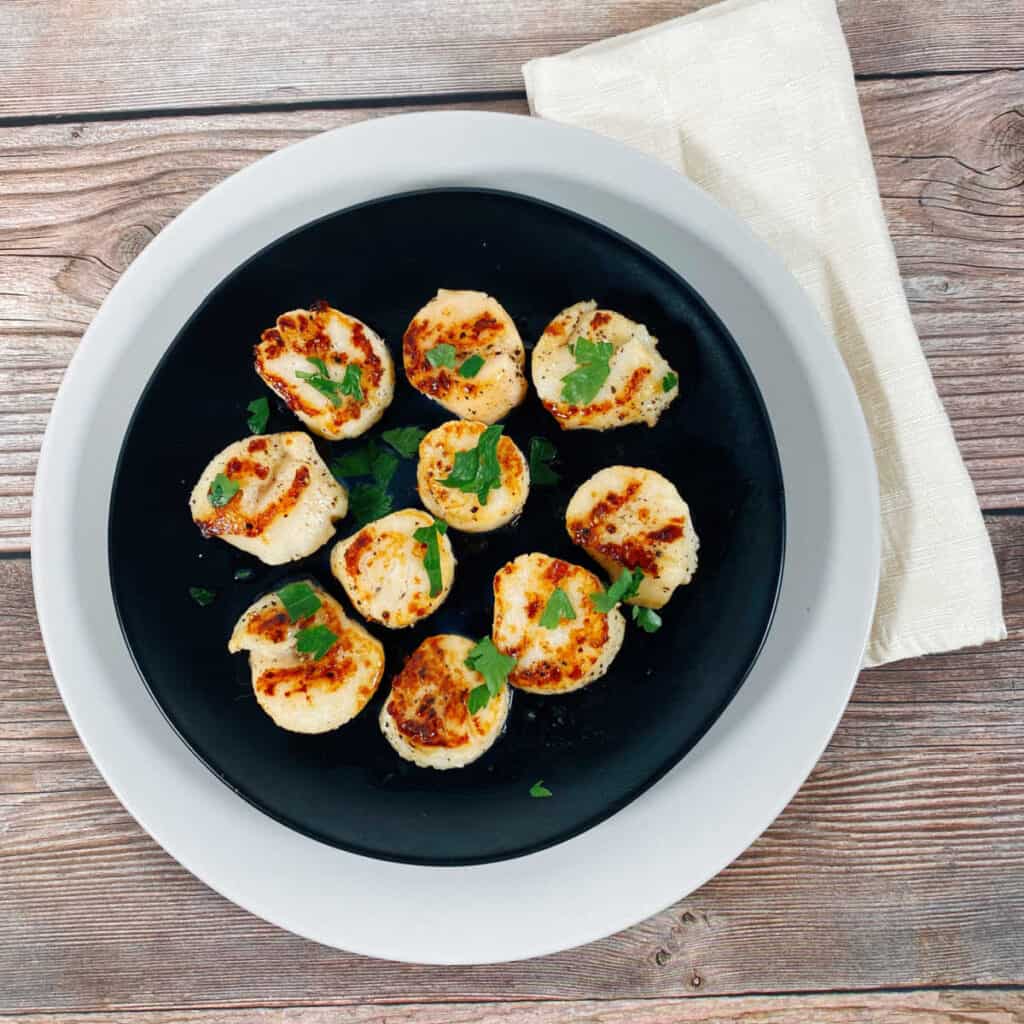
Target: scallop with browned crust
x=544, y=618
x=270, y=495
x=385, y=572
x=626, y=517
x=426, y=717
x=300, y=691
x=466, y=509
x=619, y=377
x=463, y=350
x=335, y=372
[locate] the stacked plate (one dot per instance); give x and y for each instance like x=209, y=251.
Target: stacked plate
x=701, y=733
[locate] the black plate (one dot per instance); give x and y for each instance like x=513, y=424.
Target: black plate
x=596, y=749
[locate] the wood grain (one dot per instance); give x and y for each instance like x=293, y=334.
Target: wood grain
x=79, y=202
x=900, y=863
x=94, y=56
x=970, y=1006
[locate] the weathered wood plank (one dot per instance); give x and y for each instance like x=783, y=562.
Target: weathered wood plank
x=968, y=1006
x=80, y=201
x=900, y=863
x=92, y=56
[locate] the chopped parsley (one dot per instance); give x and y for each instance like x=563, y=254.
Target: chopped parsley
x=558, y=607
x=669, y=381
x=624, y=587
x=351, y=383
x=441, y=355
x=494, y=666
x=539, y=790
x=202, y=596
x=542, y=452
x=428, y=535
x=259, y=413
x=370, y=460
x=355, y=463
x=299, y=600
x=478, y=698
x=478, y=471
x=471, y=367
x=368, y=502
x=405, y=440
x=222, y=490
x=647, y=619
x=383, y=467
x=316, y=640
x=593, y=364
x=243, y=574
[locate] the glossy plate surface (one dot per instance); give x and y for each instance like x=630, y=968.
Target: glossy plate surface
x=596, y=748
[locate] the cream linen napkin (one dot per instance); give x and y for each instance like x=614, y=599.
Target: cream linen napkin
x=754, y=100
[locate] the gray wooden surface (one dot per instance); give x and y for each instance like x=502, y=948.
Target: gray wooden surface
x=891, y=889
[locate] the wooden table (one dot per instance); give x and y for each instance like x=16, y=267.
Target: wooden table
x=891, y=889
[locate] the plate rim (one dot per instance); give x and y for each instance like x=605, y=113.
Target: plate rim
x=662, y=769
x=533, y=158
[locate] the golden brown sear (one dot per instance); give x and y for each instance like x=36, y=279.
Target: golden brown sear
x=627, y=517
x=299, y=692
x=463, y=350
x=465, y=511
x=280, y=501
x=426, y=717
x=569, y=652
x=291, y=355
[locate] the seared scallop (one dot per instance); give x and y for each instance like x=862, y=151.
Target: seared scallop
x=625, y=517
x=544, y=618
x=300, y=691
x=463, y=350
x=270, y=495
x=386, y=572
x=335, y=373
x=426, y=717
x=617, y=379
x=465, y=509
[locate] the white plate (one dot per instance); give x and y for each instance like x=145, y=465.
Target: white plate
x=715, y=802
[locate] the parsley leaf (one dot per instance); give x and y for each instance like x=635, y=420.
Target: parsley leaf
x=316, y=640
x=383, y=465
x=471, y=367
x=624, y=587
x=441, y=355
x=202, y=596
x=244, y=574
x=558, y=607
x=432, y=557
x=222, y=490
x=368, y=502
x=299, y=600
x=580, y=386
x=669, y=381
x=538, y=790
x=494, y=666
x=405, y=440
x=479, y=697
x=647, y=619
x=351, y=383
x=259, y=413
x=542, y=451
x=357, y=463
x=478, y=471
x=321, y=380
x=370, y=460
